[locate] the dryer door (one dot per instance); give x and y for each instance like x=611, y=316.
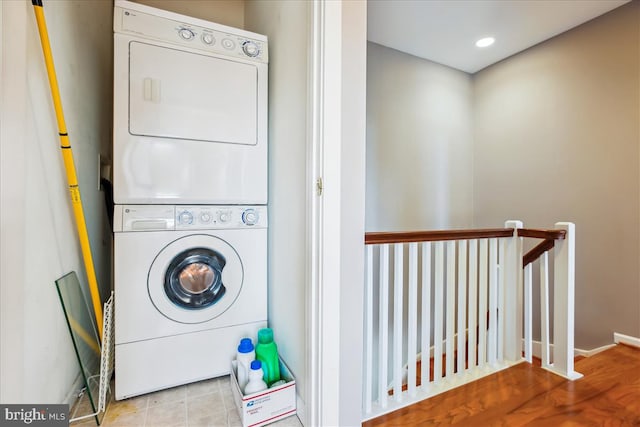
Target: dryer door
x=195, y=278
x=185, y=95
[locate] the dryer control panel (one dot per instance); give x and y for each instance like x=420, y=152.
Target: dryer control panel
x=136, y=218
x=161, y=25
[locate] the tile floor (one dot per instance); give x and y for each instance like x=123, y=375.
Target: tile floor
x=203, y=404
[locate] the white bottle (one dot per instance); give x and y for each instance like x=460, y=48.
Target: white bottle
x=256, y=383
x=245, y=355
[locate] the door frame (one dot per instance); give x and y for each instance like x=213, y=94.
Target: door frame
x=335, y=220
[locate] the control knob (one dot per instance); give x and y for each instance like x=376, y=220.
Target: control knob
x=208, y=39
x=250, y=217
x=205, y=217
x=224, y=216
x=186, y=33
x=250, y=49
x=228, y=44
x=185, y=218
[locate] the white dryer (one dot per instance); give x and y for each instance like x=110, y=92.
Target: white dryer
x=190, y=281
x=190, y=110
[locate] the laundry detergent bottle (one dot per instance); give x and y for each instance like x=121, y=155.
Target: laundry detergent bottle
x=245, y=355
x=267, y=353
x=256, y=383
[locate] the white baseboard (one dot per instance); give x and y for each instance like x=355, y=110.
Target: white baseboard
x=589, y=353
x=617, y=339
x=537, y=350
x=73, y=393
x=626, y=339
x=301, y=410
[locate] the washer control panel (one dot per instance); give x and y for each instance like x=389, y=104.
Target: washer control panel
x=193, y=217
x=141, y=20
x=219, y=217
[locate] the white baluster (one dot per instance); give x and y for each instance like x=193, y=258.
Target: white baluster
x=528, y=320
x=383, y=325
x=438, y=308
x=473, y=301
x=544, y=309
x=451, y=305
x=482, y=302
x=500, y=330
x=425, y=345
x=492, y=338
x=368, y=353
x=397, y=320
x=413, y=318
x=462, y=304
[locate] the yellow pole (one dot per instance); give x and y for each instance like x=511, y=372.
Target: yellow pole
x=67, y=156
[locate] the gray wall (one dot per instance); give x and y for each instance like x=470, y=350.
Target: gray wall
x=226, y=12
x=39, y=242
x=551, y=134
x=286, y=24
x=419, y=143
x=557, y=139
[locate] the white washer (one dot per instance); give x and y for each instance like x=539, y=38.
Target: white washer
x=190, y=281
x=190, y=110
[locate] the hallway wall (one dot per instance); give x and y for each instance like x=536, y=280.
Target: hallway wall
x=550, y=134
x=419, y=143
x=557, y=138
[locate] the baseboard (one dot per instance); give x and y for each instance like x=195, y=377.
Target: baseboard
x=301, y=410
x=626, y=339
x=589, y=353
x=537, y=347
x=73, y=393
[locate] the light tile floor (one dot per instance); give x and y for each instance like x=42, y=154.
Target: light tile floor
x=203, y=404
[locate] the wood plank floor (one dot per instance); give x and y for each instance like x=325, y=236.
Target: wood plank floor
x=526, y=395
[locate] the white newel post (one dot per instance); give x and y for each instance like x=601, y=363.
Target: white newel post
x=513, y=276
x=564, y=303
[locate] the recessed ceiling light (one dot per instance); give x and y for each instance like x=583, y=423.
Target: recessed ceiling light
x=484, y=42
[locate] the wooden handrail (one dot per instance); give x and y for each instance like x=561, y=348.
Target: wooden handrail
x=549, y=236
x=378, y=237
x=538, y=250
x=542, y=234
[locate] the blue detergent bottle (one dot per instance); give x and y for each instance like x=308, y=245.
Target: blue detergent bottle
x=244, y=356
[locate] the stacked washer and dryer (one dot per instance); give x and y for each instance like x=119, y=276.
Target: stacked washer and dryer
x=190, y=187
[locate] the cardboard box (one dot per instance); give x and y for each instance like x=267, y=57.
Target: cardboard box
x=268, y=406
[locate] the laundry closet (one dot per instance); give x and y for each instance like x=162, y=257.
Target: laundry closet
x=154, y=188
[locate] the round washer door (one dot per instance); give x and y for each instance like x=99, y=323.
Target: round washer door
x=195, y=278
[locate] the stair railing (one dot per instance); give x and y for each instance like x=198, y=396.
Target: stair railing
x=562, y=241
x=460, y=299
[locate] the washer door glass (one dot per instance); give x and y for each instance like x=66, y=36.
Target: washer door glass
x=194, y=278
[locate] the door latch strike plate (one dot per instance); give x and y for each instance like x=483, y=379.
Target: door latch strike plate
x=319, y=186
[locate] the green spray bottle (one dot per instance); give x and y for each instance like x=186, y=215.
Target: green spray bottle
x=267, y=353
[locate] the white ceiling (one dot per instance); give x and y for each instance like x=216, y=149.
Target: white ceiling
x=445, y=31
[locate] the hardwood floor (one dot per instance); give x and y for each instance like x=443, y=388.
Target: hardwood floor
x=526, y=395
